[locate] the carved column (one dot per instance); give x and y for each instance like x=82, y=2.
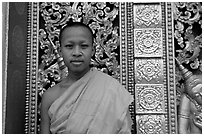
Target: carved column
x=32, y=69
x=154, y=69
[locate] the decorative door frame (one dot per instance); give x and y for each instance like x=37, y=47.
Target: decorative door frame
x=31, y=108
x=127, y=70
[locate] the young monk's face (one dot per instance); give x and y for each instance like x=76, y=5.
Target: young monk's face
x=77, y=48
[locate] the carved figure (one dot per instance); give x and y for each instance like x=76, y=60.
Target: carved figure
x=190, y=111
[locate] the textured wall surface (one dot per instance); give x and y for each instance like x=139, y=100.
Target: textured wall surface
x=16, y=68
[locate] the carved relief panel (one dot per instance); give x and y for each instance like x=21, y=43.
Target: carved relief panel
x=152, y=61
x=188, y=53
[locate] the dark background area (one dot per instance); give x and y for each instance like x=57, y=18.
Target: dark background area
x=16, y=68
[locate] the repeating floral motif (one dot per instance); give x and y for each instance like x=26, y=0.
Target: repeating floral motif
x=148, y=42
x=150, y=98
x=148, y=71
x=150, y=124
x=147, y=15
x=149, y=51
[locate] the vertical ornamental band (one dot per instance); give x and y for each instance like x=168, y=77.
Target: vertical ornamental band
x=171, y=70
x=130, y=61
x=32, y=69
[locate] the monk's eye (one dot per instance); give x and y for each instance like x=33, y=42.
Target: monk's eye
x=84, y=46
x=69, y=46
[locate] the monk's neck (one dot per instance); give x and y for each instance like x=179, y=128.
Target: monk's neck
x=76, y=76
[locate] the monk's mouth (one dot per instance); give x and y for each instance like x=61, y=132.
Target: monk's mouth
x=76, y=62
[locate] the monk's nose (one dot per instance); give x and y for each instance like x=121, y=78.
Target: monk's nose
x=77, y=51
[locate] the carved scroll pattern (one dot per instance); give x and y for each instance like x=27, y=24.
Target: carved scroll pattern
x=188, y=42
x=103, y=19
x=188, y=39
x=150, y=68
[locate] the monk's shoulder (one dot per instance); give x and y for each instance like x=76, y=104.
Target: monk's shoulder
x=116, y=91
x=52, y=93
x=53, y=89
x=108, y=80
x=105, y=77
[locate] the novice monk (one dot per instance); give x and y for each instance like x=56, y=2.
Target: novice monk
x=87, y=100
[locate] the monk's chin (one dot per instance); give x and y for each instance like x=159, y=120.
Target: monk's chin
x=78, y=70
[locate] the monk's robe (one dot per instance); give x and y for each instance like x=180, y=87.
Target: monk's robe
x=96, y=103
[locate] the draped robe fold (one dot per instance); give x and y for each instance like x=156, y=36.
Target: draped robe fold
x=96, y=103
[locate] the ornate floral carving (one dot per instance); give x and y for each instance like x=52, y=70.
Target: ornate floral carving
x=150, y=67
x=188, y=40
x=150, y=124
x=188, y=50
x=147, y=15
x=188, y=33
x=148, y=42
x=148, y=70
x=150, y=98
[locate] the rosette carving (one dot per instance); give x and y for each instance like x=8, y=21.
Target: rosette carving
x=148, y=71
x=150, y=124
x=149, y=98
x=148, y=42
x=147, y=15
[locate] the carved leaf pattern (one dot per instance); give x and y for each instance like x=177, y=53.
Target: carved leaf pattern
x=188, y=39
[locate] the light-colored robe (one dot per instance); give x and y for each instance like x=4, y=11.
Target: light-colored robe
x=96, y=103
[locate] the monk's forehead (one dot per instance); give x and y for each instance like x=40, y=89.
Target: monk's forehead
x=74, y=30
